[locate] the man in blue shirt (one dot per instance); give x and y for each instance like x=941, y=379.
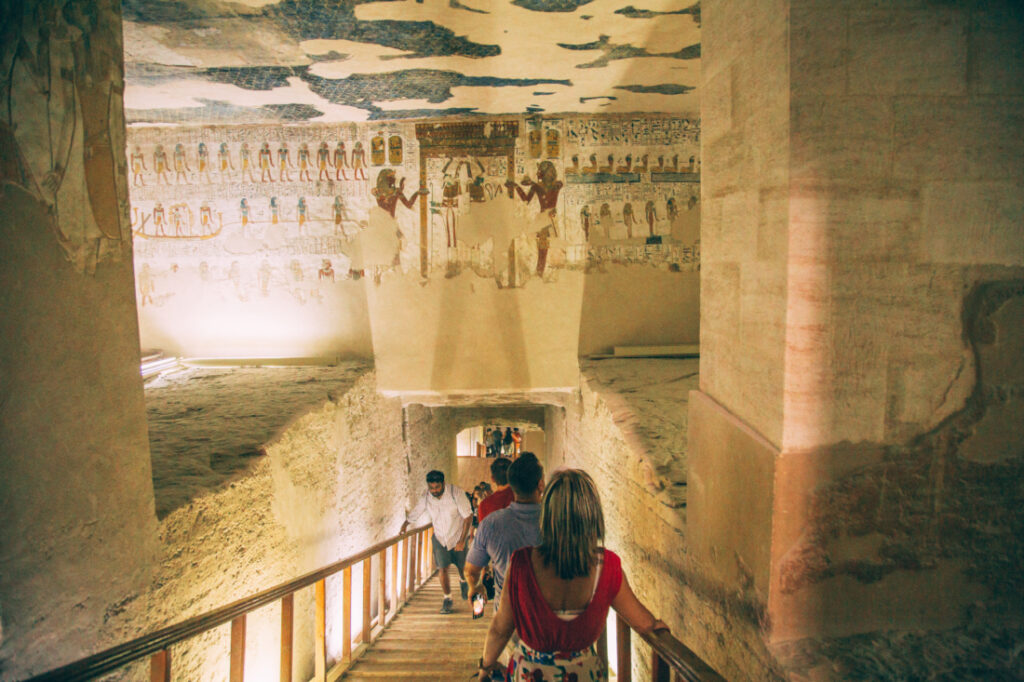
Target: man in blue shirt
x=506, y=530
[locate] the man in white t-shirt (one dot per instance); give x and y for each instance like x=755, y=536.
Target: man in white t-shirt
x=452, y=516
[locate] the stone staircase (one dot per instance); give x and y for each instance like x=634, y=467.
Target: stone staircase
x=422, y=644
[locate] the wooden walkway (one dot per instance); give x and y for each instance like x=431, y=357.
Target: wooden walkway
x=422, y=644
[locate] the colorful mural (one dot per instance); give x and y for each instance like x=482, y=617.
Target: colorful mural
x=472, y=198
x=219, y=62
x=62, y=126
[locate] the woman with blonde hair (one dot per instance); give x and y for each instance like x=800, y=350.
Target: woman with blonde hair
x=557, y=594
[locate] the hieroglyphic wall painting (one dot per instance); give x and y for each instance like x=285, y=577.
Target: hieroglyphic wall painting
x=299, y=208
x=62, y=125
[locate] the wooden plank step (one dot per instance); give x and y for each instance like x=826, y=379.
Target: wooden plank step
x=422, y=644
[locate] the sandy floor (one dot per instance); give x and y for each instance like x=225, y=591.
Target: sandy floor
x=206, y=424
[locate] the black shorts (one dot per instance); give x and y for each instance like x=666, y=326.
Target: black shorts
x=444, y=557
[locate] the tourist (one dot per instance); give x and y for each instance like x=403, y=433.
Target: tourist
x=507, y=441
x=506, y=530
x=496, y=442
x=556, y=595
x=517, y=442
x=452, y=515
x=502, y=496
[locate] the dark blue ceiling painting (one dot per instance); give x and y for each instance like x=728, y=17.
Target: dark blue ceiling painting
x=334, y=60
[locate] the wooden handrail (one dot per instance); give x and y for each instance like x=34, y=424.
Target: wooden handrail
x=670, y=658
x=115, y=657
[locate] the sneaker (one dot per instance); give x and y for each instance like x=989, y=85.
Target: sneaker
x=464, y=588
x=446, y=605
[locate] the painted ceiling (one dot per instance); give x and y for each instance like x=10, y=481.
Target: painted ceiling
x=259, y=61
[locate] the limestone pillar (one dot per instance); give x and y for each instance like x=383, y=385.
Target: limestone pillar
x=862, y=317
x=77, y=523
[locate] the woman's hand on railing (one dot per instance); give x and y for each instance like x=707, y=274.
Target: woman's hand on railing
x=660, y=626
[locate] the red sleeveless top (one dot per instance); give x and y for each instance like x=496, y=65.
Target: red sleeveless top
x=538, y=625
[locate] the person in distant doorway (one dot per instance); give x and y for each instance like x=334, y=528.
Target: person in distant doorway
x=502, y=495
x=505, y=531
x=517, y=442
x=449, y=511
x=487, y=442
x=506, y=442
x=496, y=441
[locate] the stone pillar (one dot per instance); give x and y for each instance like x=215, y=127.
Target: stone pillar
x=77, y=522
x=896, y=308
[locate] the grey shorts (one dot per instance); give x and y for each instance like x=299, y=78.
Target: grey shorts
x=444, y=557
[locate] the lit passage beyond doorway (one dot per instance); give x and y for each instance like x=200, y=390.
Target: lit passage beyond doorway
x=475, y=447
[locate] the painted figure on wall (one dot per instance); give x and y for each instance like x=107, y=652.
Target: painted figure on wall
x=224, y=159
x=304, y=163
x=180, y=164
x=323, y=162
x=274, y=211
x=388, y=195
x=377, y=149
x=377, y=247
x=585, y=222
x=546, y=189
x=245, y=158
x=160, y=165
x=55, y=97
x=340, y=161
x=606, y=221
x=203, y=157
x=205, y=219
x=284, y=162
x=243, y=211
x=138, y=163
x=628, y=219
x=651, y=214
x=146, y=285
x=358, y=161
x=671, y=209
x=159, y=219
x=263, y=277
x=301, y=209
x=339, y=212
x=326, y=271
x=177, y=220
x=266, y=163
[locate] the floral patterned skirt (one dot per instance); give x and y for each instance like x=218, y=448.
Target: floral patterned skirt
x=529, y=665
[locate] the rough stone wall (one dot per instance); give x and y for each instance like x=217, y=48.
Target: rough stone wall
x=888, y=448
x=596, y=430
x=745, y=119
x=333, y=483
x=77, y=525
x=894, y=487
